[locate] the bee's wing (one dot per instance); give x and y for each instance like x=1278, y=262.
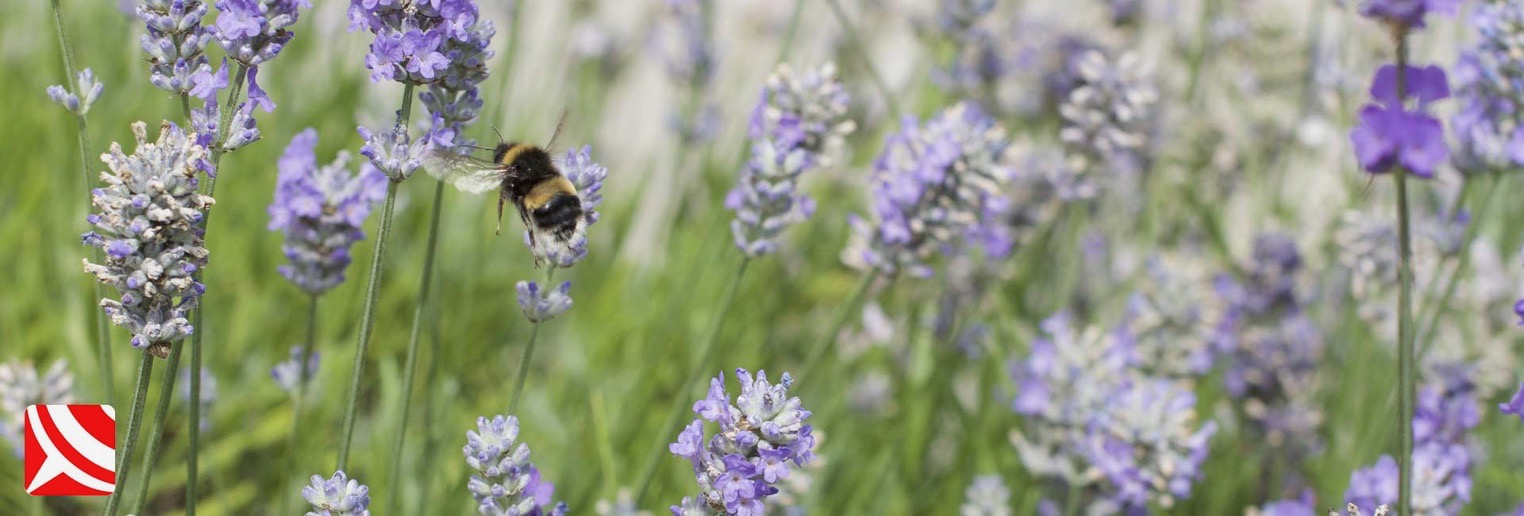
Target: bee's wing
x=467, y=173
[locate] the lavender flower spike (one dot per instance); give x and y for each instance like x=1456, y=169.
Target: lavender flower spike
x=505, y=482
x=760, y=434
x=986, y=496
x=254, y=31
x=540, y=305
x=21, y=386
x=175, y=42
x=288, y=374
x=439, y=41
x=88, y=86
x=793, y=128
x=1489, y=127
x=148, y=225
x=393, y=152
x=337, y=496
x=321, y=211
x=930, y=187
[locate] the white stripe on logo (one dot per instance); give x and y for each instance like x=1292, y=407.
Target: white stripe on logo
x=53, y=462
x=83, y=442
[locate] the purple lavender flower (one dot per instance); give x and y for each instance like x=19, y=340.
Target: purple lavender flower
x=762, y=437
x=793, y=128
x=1143, y=442
x=1089, y=409
x=434, y=42
x=1389, y=134
x=1442, y=459
x=1406, y=13
x=450, y=111
x=86, y=85
x=931, y=185
x=288, y=374
x=1515, y=405
x=337, y=496
x=957, y=17
x=684, y=41
x=1304, y=505
x=254, y=31
x=1518, y=311
x=1273, y=350
x=205, y=121
x=505, y=482
x=320, y=210
x=148, y=225
x=175, y=42
x=1489, y=128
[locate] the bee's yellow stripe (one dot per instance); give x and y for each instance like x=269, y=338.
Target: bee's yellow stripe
x=543, y=192
x=513, y=153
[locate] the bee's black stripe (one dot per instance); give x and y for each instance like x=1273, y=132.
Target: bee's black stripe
x=560, y=214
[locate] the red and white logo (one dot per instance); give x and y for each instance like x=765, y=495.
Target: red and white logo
x=70, y=450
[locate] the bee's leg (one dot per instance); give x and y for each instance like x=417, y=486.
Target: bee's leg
x=501, y=198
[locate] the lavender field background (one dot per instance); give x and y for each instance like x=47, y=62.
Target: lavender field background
x=1141, y=269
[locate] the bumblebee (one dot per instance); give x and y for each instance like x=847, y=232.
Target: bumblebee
x=525, y=175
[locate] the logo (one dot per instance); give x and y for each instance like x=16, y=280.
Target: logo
x=70, y=450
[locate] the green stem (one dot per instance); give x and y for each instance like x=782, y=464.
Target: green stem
x=192, y=458
x=863, y=58
x=134, y=420
x=411, y=367
x=299, y=398
x=102, y=326
x=839, y=321
x=705, y=353
x=1407, y=358
x=430, y=436
x=372, y=291
x=156, y=432
x=534, y=336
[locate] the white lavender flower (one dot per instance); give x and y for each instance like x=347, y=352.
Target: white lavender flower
x=87, y=86
x=22, y=386
x=148, y=224
x=505, y=482
x=175, y=42
x=1105, y=118
x=1170, y=318
x=539, y=304
x=931, y=186
x=986, y=496
x=393, y=152
x=337, y=496
x=795, y=127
